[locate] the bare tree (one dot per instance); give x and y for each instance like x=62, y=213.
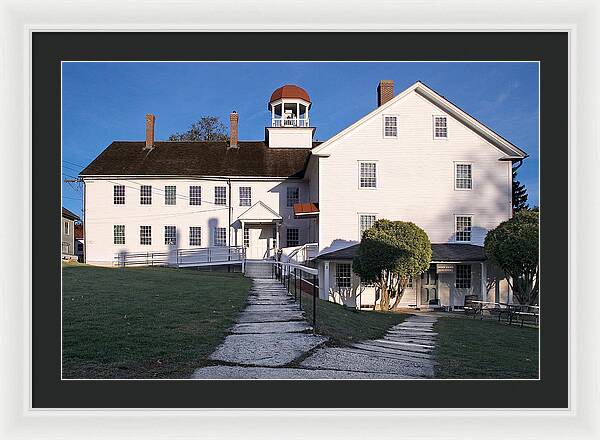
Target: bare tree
x=207, y=128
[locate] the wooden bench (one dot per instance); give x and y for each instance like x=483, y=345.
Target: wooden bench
x=530, y=313
x=472, y=306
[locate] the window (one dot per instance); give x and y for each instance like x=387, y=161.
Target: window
x=343, y=278
x=368, y=174
x=146, y=235
x=220, y=237
x=195, y=195
x=119, y=234
x=66, y=228
x=145, y=195
x=195, y=236
x=292, y=237
x=245, y=196
x=365, y=222
x=170, y=195
x=463, y=276
x=246, y=238
x=463, y=227
x=440, y=127
x=390, y=126
x=220, y=195
x=119, y=194
x=463, y=176
x=293, y=195
x=410, y=282
x=170, y=235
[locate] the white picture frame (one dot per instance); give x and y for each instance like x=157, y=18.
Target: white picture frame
x=581, y=18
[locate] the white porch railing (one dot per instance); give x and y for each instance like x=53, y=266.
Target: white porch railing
x=183, y=257
x=302, y=254
x=290, y=122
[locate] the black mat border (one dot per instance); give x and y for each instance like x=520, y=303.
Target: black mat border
x=550, y=48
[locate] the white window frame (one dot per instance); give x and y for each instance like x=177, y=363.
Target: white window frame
x=170, y=199
x=287, y=196
x=383, y=122
x=147, y=197
x=470, y=278
x=246, y=237
x=368, y=188
x=360, y=215
x=195, y=195
x=435, y=137
x=287, y=237
x=144, y=237
x=66, y=228
x=455, y=228
x=120, y=198
x=221, y=197
x=345, y=276
x=195, y=239
x=171, y=237
x=245, y=195
x=217, y=239
x=118, y=233
x=456, y=164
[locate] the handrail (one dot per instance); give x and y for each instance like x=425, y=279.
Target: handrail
x=283, y=272
x=304, y=248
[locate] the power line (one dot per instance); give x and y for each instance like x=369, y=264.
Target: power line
x=180, y=214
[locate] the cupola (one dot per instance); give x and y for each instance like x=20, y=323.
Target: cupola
x=290, y=124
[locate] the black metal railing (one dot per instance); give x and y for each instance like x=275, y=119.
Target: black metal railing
x=284, y=272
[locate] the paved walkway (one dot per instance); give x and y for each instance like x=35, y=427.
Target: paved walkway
x=272, y=340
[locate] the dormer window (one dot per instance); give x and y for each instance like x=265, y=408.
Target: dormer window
x=440, y=127
x=390, y=126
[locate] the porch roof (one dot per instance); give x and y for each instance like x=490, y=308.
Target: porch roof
x=259, y=212
x=302, y=210
x=441, y=252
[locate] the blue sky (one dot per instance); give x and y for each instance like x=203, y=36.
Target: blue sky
x=103, y=102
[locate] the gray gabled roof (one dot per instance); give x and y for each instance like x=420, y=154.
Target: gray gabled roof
x=441, y=252
x=70, y=215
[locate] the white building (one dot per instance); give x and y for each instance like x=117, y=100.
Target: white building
x=416, y=157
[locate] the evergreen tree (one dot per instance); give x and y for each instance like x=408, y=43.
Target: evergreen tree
x=519, y=193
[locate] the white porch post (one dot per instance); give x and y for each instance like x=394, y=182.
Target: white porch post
x=277, y=243
x=483, y=282
x=325, y=283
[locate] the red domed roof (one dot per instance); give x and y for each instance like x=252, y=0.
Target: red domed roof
x=290, y=91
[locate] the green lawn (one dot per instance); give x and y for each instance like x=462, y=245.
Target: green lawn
x=346, y=325
x=471, y=348
x=145, y=322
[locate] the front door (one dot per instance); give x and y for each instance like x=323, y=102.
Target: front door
x=429, y=287
x=260, y=237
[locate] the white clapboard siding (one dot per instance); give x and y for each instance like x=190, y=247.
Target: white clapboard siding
x=415, y=177
x=101, y=214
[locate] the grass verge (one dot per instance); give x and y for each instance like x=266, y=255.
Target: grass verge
x=471, y=348
x=346, y=325
x=145, y=322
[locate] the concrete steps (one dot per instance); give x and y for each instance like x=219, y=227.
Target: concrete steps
x=258, y=270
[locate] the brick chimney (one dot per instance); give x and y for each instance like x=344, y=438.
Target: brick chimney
x=233, y=129
x=150, y=131
x=385, y=91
